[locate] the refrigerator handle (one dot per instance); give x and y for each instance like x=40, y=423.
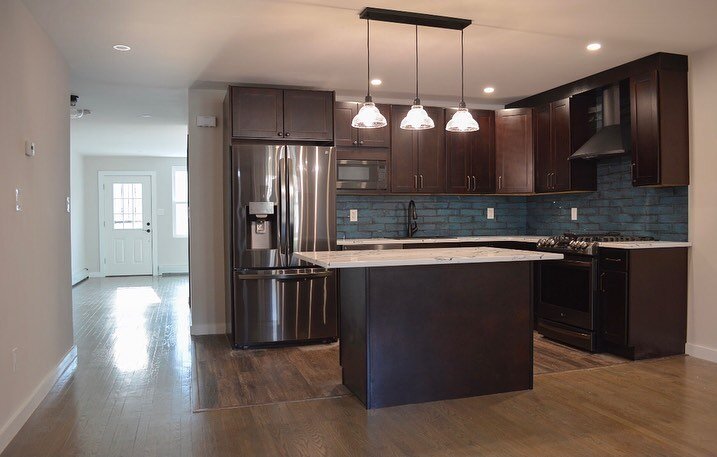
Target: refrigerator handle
x=282, y=206
x=290, y=172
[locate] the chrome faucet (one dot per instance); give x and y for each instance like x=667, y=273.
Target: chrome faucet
x=412, y=217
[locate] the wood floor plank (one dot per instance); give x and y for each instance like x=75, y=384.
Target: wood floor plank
x=130, y=394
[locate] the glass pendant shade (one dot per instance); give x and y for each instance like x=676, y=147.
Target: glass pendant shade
x=462, y=121
x=369, y=117
x=417, y=119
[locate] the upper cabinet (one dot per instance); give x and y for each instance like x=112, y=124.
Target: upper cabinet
x=347, y=136
x=470, y=157
x=418, y=160
x=514, y=150
x=560, y=129
x=292, y=115
x=659, y=128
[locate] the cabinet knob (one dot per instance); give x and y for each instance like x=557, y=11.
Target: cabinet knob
x=286, y=134
x=280, y=133
x=355, y=142
x=361, y=142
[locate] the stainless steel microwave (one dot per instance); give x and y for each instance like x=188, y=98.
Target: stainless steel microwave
x=361, y=174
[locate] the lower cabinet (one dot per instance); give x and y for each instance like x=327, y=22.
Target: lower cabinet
x=643, y=302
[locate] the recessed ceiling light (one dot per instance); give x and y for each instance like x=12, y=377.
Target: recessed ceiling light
x=489, y=90
x=121, y=47
x=593, y=46
x=376, y=82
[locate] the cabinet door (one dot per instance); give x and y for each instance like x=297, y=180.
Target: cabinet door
x=377, y=138
x=483, y=155
x=308, y=115
x=460, y=147
x=543, y=150
x=404, y=170
x=257, y=113
x=514, y=150
x=613, y=291
x=431, y=154
x=645, y=130
x=561, y=145
x=344, y=134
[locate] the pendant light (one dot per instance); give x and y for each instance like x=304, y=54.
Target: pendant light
x=462, y=120
x=417, y=118
x=368, y=117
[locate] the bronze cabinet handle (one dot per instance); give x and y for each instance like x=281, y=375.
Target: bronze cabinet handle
x=421, y=181
x=415, y=181
x=468, y=182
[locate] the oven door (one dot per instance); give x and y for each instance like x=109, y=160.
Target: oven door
x=361, y=174
x=566, y=291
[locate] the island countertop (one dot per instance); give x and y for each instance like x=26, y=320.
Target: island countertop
x=410, y=257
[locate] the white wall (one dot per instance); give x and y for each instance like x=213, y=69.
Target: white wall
x=77, y=217
x=206, y=284
x=172, y=252
x=35, y=290
x=702, y=318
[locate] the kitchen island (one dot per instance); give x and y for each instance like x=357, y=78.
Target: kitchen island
x=421, y=325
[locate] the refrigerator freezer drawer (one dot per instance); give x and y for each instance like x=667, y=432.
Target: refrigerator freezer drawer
x=277, y=306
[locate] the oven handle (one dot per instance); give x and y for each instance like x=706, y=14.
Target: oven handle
x=602, y=282
x=576, y=263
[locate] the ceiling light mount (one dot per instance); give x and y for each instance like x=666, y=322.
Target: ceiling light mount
x=121, y=47
x=406, y=17
x=369, y=116
x=593, y=46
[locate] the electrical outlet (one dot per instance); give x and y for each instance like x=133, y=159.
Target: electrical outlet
x=353, y=215
x=490, y=213
x=14, y=360
x=68, y=204
x=573, y=214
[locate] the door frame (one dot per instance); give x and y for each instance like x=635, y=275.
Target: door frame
x=101, y=175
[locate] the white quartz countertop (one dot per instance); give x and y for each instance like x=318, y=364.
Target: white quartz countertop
x=431, y=256
x=524, y=239
x=646, y=244
x=420, y=240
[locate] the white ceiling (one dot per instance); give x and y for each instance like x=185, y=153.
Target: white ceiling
x=519, y=46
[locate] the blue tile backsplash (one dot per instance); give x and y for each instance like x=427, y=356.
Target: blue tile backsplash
x=616, y=206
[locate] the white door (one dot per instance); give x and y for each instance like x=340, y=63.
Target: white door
x=127, y=225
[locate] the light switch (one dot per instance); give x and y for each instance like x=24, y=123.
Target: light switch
x=18, y=205
x=353, y=215
x=29, y=148
x=573, y=214
x=490, y=213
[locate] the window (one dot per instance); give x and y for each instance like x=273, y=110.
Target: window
x=127, y=205
x=180, y=202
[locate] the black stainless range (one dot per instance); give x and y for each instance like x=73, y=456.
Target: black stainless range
x=567, y=291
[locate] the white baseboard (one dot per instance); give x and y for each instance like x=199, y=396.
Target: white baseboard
x=18, y=419
x=701, y=352
x=96, y=274
x=173, y=269
x=80, y=276
x=208, y=329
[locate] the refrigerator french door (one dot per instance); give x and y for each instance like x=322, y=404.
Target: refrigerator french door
x=283, y=201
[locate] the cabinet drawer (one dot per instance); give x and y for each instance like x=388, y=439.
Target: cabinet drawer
x=613, y=259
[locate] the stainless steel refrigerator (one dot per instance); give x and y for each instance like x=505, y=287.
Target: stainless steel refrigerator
x=283, y=200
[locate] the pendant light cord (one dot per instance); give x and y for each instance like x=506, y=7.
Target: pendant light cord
x=417, y=101
x=368, y=59
x=463, y=102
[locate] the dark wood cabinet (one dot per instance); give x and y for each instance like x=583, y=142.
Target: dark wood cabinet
x=347, y=136
x=470, y=157
x=514, y=150
x=257, y=112
x=555, y=141
x=308, y=115
x=659, y=128
x=277, y=114
x=643, y=301
x=418, y=160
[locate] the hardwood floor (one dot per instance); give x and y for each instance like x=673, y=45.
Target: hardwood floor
x=552, y=357
x=130, y=395
x=226, y=378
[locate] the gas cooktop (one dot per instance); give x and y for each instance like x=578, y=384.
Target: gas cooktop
x=584, y=243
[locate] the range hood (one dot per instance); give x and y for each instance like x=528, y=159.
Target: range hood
x=608, y=140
